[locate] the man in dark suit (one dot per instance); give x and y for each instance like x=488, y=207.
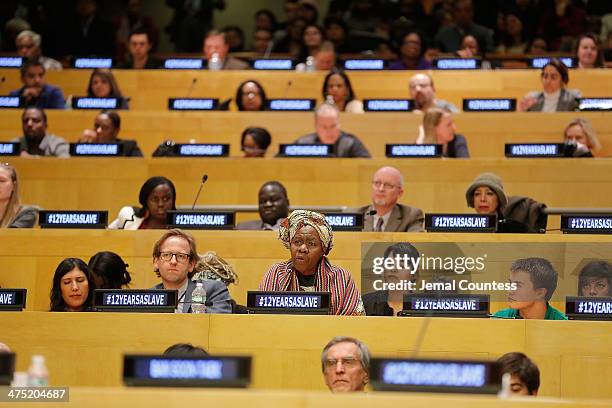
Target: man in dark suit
x=273, y=208
x=385, y=214
x=174, y=259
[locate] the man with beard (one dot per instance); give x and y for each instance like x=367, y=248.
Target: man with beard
x=273, y=208
x=385, y=214
x=423, y=92
x=35, y=140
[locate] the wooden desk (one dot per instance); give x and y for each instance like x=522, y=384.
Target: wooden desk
x=85, y=349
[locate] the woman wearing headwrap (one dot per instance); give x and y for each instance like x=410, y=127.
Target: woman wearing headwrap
x=309, y=238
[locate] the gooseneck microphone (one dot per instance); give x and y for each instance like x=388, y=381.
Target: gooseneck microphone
x=204, y=178
x=193, y=82
x=287, y=87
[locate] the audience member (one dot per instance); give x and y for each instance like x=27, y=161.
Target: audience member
x=554, y=96
x=262, y=41
x=537, y=46
x=255, y=141
x=29, y=47
x=535, y=281
x=336, y=31
x=191, y=21
x=157, y=196
x=337, y=90
x=486, y=195
x=423, y=92
x=133, y=20
x=312, y=37
x=362, y=15
x=89, y=33
x=411, y=53
x=327, y=130
x=581, y=133
x=73, y=287
x=107, y=125
x=385, y=214
x=139, y=47
x=174, y=259
x=265, y=20
x=250, y=96
x=12, y=213
x=562, y=22
x=35, y=140
x=35, y=91
x=181, y=349
x=273, y=208
x=12, y=28
x=391, y=302
x=216, y=43
x=308, y=10
x=514, y=42
x=235, y=38
x=212, y=266
x=291, y=43
x=588, y=51
x=345, y=362
x=102, y=84
x=109, y=271
x=309, y=238
x=463, y=14
x=595, y=279
x=438, y=128
x=324, y=58
x=524, y=373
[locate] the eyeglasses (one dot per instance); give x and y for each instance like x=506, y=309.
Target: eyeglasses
x=180, y=257
x=347, y=362
x=385, y=186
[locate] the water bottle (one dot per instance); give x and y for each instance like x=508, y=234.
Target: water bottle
x=38, y=375
x=215, y=63
x=198, y=299
x=310, y=66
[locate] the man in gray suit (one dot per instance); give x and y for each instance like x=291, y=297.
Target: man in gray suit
x=385, y=214
x=216, y=43
x=174, y=259
x=273, y=208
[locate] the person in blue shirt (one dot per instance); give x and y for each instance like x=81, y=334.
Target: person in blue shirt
x=36, y=93
x=535, y=281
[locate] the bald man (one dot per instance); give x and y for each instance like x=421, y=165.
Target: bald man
x=423, y=92
x=385, y=214
x=327, y=131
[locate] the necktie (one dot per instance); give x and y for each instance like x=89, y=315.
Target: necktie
x=379, y=225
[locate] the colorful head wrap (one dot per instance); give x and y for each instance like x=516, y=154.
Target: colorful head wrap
x=300, y=218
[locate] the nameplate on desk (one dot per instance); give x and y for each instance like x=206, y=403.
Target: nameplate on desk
x=192, y=219
x=88, y=62
x=183, y=63
x=277, y=64
x=457, y=63
x=135, y=300
x=387, y=105
x=345, y=221
x=588, y=308
x=291, y=104
x=73, y=219
x=595, y=104
x=12, y=299
x=460, y=222
x=202, y=150
x=7, y=368
x=446, y=305
x=186, y=371
x=364, y=64
x=11, y=62
x=193, y=104
x=10, y=102
x=427, y=375
x=95, y=103
x=302, y=150
x=9, y=149
x=489, y=105
x=96, y=149
x=413, y=150
x=586, y=224
x=288, y=302
x=531, y=150
x=539, y=62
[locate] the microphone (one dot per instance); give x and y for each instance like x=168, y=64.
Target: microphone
x=370, y=213
x=268, y=49
x=287, y=87
x=193, y=82
x=2, y=80
x=204, y=178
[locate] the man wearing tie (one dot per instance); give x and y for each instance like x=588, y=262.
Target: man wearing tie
x=385, y=214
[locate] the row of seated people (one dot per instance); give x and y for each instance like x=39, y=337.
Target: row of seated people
x=336, y=89
x=437, y=127
x=309, y=239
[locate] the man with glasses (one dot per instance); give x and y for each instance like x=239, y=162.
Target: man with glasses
x=174, y=259
x=385, y=214
x=346, y=364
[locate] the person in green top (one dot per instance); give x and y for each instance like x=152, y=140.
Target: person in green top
x=535, y=280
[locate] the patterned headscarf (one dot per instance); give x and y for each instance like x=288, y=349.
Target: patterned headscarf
x=300, y=218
